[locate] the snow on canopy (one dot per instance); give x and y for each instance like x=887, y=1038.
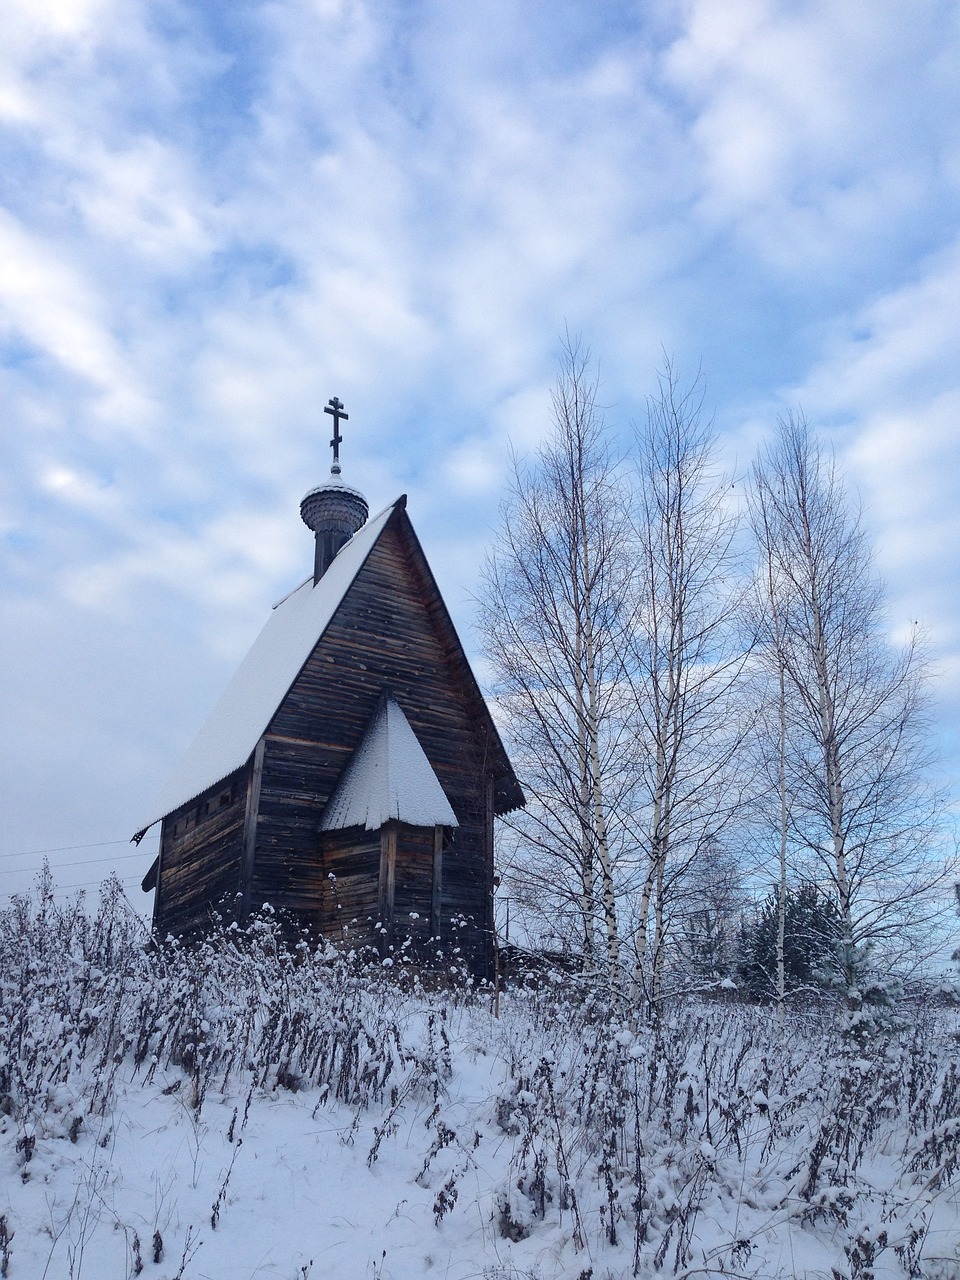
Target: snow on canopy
x=263, y=679
x=388, y=776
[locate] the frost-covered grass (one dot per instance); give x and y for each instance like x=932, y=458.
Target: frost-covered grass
x=242, y=1109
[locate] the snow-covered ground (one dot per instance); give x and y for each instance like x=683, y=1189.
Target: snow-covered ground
x=239, y=1113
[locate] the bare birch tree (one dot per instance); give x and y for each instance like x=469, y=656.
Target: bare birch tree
x=685, y=660
x=853, y=748
x=554, y=613
x=771, y=683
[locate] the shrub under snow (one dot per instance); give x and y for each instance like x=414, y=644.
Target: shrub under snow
x=244, y=1108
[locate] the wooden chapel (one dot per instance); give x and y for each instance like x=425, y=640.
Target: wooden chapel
x=350, y=775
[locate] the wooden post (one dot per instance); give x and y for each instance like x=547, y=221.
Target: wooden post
x=388, y=881
x=250, y=829
x=437, y=892
x=488, y=926
x=166, y=826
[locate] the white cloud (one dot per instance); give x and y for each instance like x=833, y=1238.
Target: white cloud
x=141, y=197
x=473, y=468
x=887, y=391
x=903, y=345
x=212, y=229
x=61, y=18
x=47, y=300
x=820, y=126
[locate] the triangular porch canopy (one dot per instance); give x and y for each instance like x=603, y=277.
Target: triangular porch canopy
x=387, y=778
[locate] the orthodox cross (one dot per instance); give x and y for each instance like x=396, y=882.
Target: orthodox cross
x=335, y=408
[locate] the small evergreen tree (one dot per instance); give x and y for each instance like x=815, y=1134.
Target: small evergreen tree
x=812, y=936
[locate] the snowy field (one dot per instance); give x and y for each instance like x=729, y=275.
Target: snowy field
x=238, y=1112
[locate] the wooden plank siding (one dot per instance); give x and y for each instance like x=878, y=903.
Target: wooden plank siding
x=350, y=869
x=391, y=632
x=384, y=635
x=200, y=853
x=414, y=887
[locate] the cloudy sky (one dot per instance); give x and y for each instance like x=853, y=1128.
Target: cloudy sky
x=216, y=216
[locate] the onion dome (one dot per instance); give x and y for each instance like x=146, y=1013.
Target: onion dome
x=334, y=512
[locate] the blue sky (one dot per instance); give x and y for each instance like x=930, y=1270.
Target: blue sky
x=215, y=217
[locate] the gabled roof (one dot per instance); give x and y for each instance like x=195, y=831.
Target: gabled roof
x=388, y=777
x=250, y=700
x=264, y=678
x=507, y=792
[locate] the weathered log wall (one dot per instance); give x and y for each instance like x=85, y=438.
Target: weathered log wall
x=384, y=635
x=200, y=852
x=256, y=838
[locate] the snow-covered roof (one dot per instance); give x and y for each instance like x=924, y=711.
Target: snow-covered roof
x=240, y=718
x=388, y=776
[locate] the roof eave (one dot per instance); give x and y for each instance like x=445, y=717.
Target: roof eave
x=513, y=793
